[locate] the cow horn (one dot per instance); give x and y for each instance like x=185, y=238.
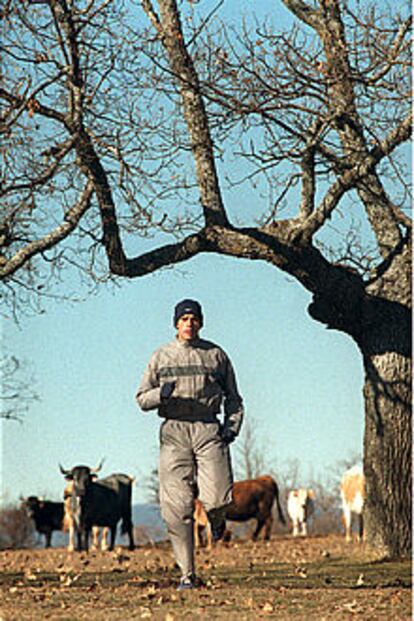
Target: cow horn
x=63, y=471
x=98, y=467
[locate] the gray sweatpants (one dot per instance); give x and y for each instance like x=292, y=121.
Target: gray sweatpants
x=191, y=452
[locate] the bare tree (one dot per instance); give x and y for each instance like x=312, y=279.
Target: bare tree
x=152, y=486
x=250, y=453
x=17, y=390
x=118, y=127
x=290, y=475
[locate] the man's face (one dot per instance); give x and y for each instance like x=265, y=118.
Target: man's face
x=188, y=327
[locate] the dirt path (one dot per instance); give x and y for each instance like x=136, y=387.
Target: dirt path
x=316, y=578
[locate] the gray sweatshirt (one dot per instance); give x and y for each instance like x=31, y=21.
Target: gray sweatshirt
x=204, y=376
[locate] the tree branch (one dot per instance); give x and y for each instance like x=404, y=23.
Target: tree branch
x=359, y=173
x=308, y=182
x=72, y=219
x=397, y=136
x=194, y=112
x=350, y=130
x=163, y=256
x=303, y=12
x=32, y=105
x=153, y=16
x=392, y=54
x=58, y=152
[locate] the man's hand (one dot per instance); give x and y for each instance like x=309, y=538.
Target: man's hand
x=167, y=390
x=228, y=436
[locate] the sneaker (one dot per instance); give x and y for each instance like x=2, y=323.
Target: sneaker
x=186, y=583
x=217, y=529
x=190, y=582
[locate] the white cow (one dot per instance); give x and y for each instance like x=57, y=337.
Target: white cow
x=352, y=496
x=300, y=506
x=69, y=524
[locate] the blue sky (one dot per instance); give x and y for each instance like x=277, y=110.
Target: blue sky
x=302, y=384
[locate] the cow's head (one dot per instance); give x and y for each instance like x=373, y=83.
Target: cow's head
x=31, y=505
x=81, y=477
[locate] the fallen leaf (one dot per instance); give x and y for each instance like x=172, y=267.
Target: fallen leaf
x=67, y=580
x=352, y=607
x=301, y=572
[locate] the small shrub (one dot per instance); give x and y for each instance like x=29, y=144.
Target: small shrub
x=151, y=534
x=16, y=529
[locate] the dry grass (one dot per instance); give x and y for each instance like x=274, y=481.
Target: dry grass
x=315, y=578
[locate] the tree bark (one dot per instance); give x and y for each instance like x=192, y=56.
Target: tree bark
x=387, y=452
x=386, y=348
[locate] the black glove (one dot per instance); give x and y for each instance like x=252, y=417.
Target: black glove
x=228, y=436
x=167, y=390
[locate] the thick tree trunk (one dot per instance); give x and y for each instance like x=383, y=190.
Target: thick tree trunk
x=387, y=453
x=379, y=320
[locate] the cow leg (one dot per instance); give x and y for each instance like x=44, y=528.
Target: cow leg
x=304, y=529
x=295, y=532
x=196, y=535
x=79, y=538
x=268, y=528
x=83, y=538
x=71, y=543
x=95, y=538
x=131, y=539
x=86, y=535
x=361, y=527
x=209, y=535
x=128, y=527
x=260, y=524
x=104, y=539
x=347, y=522
x=48, y=538
x=113, y=535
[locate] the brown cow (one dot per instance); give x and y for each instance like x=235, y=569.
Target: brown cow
x=201, y=522
x=254, y=499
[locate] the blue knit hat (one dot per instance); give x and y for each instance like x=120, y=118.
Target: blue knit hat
x=188, y=306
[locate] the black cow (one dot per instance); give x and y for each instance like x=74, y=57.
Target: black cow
x=47, y=516
x=100, y=502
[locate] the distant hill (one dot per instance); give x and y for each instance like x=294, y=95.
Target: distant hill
x=148, y=526
x=147, y=515
x=148, y=523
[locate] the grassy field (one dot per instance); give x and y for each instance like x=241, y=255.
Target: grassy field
x=315, y=578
